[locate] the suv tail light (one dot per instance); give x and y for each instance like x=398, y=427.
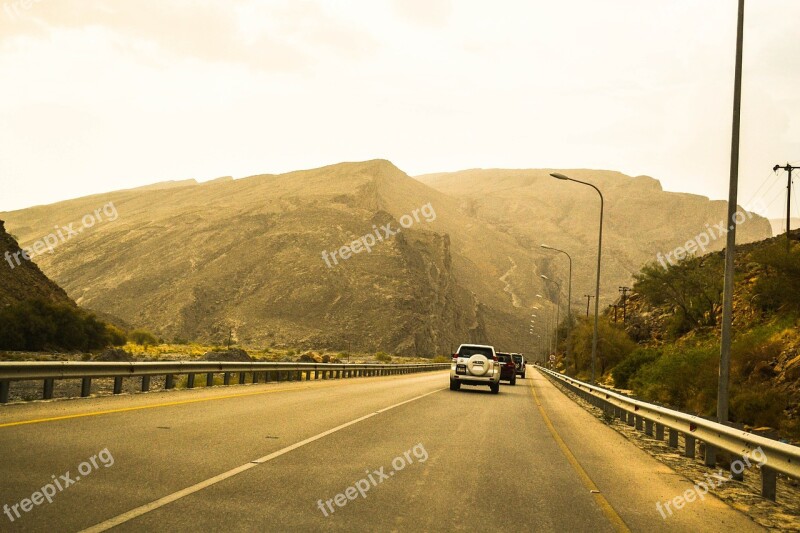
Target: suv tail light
x=455, y=356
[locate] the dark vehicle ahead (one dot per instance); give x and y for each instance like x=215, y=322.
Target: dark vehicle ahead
x=508, y=371
x=519, y=362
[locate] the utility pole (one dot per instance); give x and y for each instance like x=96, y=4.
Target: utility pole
x=788, y=168
x=588, y=299
x=624, y=291
x=615, y=306
x=730, y=246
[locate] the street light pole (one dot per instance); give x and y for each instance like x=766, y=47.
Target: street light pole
x=599, y=252
x=730, y=246
x=569, y=301
x=558, y=306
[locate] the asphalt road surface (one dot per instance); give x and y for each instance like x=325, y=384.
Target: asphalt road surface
x=399, y=453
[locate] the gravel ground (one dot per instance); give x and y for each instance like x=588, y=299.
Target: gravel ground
x=783, y=515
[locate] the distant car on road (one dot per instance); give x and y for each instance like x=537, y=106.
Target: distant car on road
x=508, y=370
x=519, y=362
x=475, y=364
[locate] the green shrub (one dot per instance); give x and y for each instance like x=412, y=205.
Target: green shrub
x=631, y=364
x=37, y=325
x=613, y=345
x=758, y=406
x=116, y=336
x=142, y=337
x=682, y=378
x=383, y=357
x=750, y=350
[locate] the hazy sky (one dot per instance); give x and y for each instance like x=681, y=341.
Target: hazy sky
x=97, y=95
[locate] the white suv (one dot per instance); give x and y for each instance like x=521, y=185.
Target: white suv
x=475, y=364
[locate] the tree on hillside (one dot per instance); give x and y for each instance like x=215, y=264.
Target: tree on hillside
x=692, y=289
x=613, y=345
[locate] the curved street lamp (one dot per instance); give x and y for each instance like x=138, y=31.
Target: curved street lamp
x=560, y=176
x=558, y=305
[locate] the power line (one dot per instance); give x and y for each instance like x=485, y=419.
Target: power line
x=764, y=181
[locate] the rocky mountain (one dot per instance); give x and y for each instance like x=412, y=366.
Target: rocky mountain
x=21, y=279
x=353, y=255
x=642, y=222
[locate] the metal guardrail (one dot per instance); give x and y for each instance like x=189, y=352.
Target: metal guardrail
x=781, y=457
x=48, y=372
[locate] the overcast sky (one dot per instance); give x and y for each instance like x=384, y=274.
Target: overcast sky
x=98, y=95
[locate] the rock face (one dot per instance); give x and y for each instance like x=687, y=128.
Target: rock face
x=21, y=279
x=196, y=260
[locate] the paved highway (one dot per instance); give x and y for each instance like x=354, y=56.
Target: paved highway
x=400, y=453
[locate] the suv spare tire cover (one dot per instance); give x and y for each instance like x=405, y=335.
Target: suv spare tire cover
x=478, y=369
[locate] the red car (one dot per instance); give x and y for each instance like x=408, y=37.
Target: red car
x=508, y=370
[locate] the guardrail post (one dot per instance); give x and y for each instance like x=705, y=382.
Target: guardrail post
x=648, y=427
x=710, y=455
x=673, y=438
x=299, y=375
x=689, y=452
x=316, y=373
x=4, y=386
x=242, y=376
x=118, y=385
x=145, y=383
x=638, y=422
x=190, y=381
x=769, y=481
x=630, y=419
x=308, y=375
x=210, y=379
x=169, y=381
x=659, y=431
x=47, y=393
x=86, y=387
x=226, y=378
x=255, y=377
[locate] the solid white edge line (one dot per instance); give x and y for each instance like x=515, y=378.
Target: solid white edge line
x=161, y=502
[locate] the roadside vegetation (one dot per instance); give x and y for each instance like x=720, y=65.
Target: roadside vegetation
x=668, y=350
x=36, y=325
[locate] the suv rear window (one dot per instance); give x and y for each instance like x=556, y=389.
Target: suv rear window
x=517, y=358
x=504, y=357
x=469, y=351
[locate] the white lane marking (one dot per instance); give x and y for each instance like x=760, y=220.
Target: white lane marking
x=161, y=502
